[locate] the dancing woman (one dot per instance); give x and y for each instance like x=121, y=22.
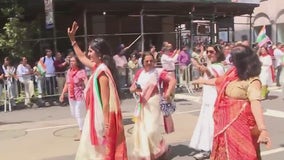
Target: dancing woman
x=103, y=132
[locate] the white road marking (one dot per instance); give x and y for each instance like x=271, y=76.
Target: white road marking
x=274, y=113
x=51, y=127
x=188, y=97
x=192, y=111
x=272, y=151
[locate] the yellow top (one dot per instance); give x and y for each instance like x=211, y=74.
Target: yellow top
x=243, y=90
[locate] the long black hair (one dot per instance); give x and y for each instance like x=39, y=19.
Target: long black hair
x=103, y=50
x=246, y=61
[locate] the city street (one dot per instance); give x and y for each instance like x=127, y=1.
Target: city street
x=48, y=133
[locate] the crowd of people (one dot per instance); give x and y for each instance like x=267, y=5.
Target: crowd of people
x=235, y=77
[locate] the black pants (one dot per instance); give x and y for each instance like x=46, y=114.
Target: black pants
x=278, y=69
x=50, y=85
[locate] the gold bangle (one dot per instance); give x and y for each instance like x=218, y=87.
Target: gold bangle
x=73, y=43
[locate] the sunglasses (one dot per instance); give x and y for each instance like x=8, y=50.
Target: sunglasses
x=210, y=51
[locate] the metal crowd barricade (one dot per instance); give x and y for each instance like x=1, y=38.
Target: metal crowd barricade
x=39, y=87
x=45, y=87
x=183, y=77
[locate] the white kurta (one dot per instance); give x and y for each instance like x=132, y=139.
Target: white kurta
x=202, y=137
x=266, y=72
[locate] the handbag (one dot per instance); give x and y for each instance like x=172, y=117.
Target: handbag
x=166, y=107
x=169, y=124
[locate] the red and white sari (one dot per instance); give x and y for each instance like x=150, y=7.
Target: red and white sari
x=147, y=136
x=233, y=125
x=97, y=143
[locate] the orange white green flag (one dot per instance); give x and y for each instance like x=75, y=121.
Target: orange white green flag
x=41, y=67
x=262, y=38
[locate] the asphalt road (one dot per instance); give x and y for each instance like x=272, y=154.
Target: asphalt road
x=47, y=133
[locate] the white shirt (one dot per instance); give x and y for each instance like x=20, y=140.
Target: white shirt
x=278, y=55
x=10, y=70
x=168, y=63
x=22, y=72
x=50, y=69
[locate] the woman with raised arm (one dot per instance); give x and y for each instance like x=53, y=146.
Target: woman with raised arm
x=103, y=133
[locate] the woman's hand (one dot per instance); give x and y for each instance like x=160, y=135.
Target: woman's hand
x=72, y=31
x=200, y=80
x=167, y=97
x=264, y=138
x=134, y=88
x=61, y=98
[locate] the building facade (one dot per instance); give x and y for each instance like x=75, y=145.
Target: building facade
x=269, y=13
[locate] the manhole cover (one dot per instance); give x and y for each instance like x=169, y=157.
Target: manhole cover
x=11, y=134
x=66, y=132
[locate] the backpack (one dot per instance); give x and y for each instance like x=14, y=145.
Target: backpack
x=52, y=59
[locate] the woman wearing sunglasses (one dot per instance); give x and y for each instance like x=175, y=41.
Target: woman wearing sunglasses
x=239, y=125
x=202, y=137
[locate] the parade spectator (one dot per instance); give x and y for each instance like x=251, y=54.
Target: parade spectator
x=133, y=66
x=11, y=80
x=103, y=132
x=148, y=140
x=281, y=79
x=76, y=80
x=121, y=64
x=60, y=66
x=278, y=54
x=169, y=59
x=25, y=72
x=183, y=62
x=202, y=137
x=238, y=119
x=154, y=52
x=266, y=75
x=50, y=80
x=197, y=56
x=39, y=72
x=227, y=62
x=2, y=78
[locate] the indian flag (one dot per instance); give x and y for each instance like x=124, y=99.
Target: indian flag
x=41, y=67
x=262, y=38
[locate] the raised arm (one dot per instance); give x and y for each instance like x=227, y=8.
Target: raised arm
x=81, y=55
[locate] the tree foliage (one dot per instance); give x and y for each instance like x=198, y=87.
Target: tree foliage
x=15, y=31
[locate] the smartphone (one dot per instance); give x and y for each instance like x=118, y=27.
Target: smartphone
x=138, y=86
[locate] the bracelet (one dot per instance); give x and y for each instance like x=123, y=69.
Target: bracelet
x=73, y=43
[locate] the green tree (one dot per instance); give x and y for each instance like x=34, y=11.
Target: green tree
x=15, y=31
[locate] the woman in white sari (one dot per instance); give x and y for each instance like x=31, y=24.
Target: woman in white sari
x=202, y=137
x=148, y=140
